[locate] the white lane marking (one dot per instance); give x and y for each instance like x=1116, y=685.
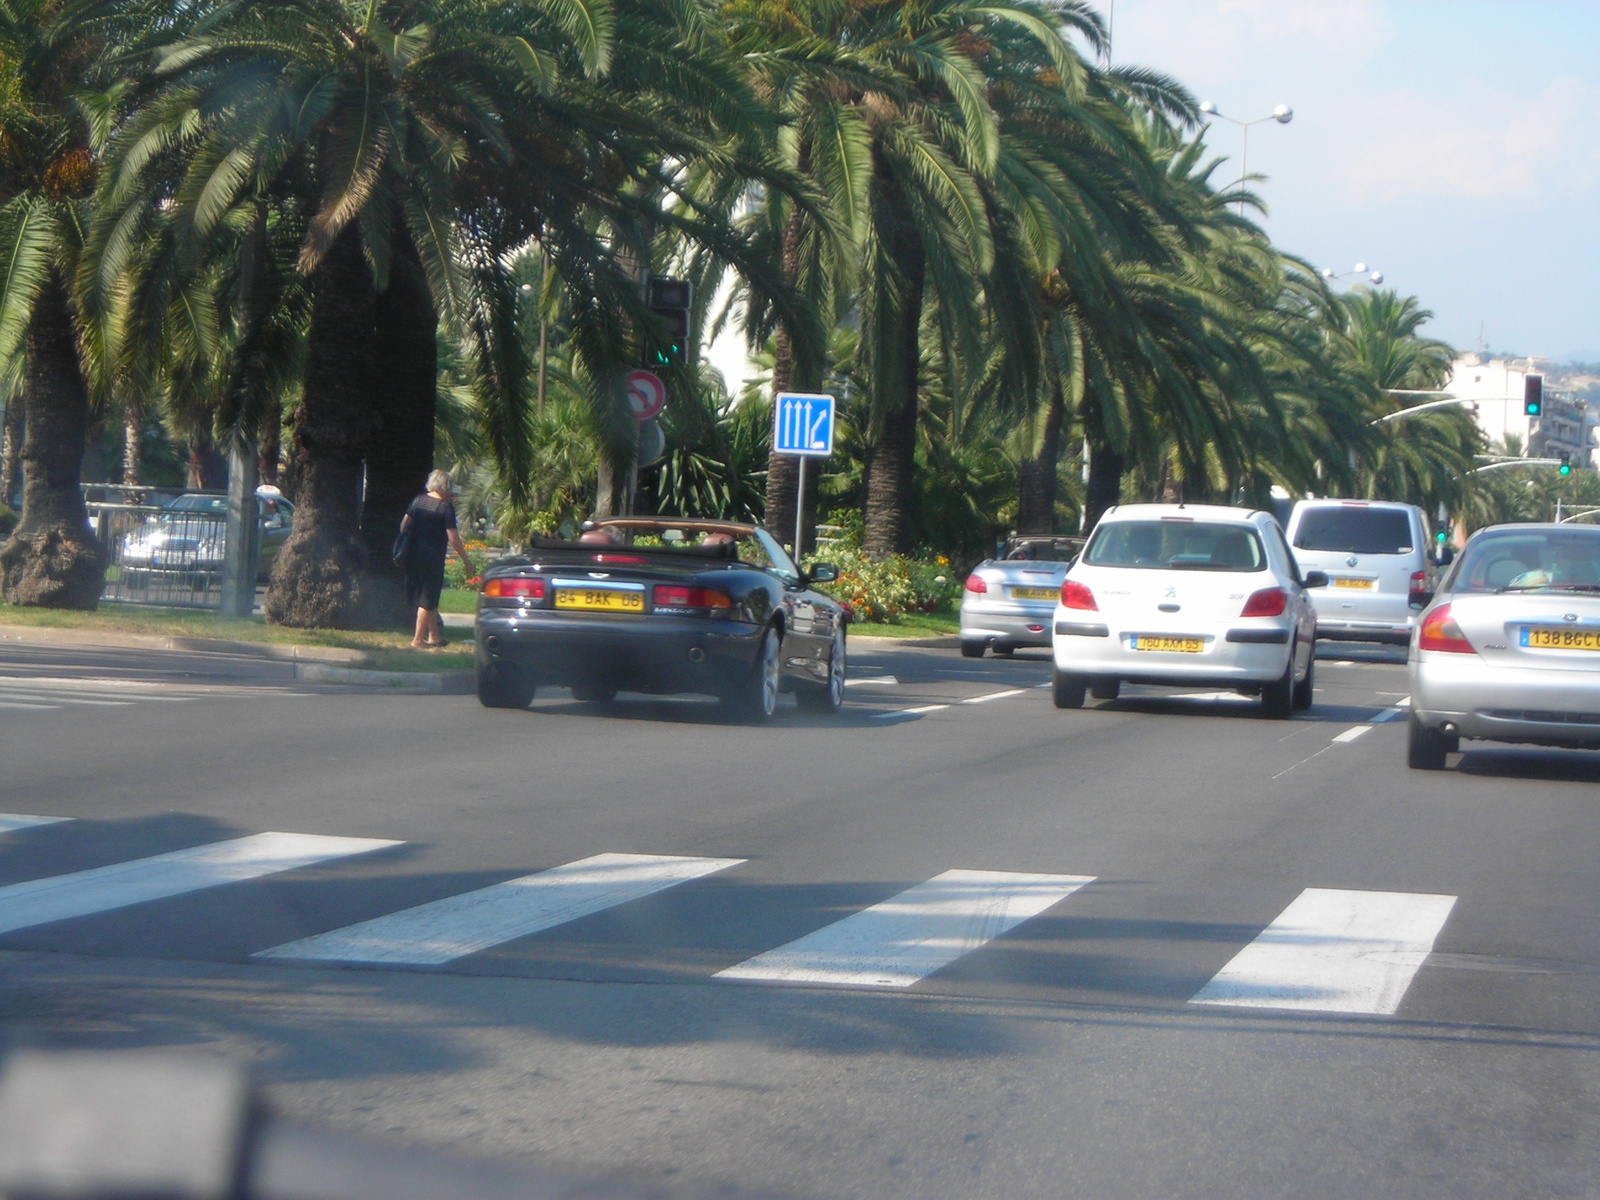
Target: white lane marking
x=872, y=681
x=102, y=889
x=10, y=821
x=1351, y=734
x=35, y=707
x=993, y=696
x=56, y=699
x=909, y=936
x=909, y=712
x=1334, y=951
x=448, y=929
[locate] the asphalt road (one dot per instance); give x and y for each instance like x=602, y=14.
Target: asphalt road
x=1056, y=1054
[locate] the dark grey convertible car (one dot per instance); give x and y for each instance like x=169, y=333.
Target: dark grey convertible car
x=650, y=604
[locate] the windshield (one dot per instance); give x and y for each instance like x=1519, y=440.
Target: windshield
x=1529, y=561
x=1043, y=550
x=1352, y=529
x=1177, y=544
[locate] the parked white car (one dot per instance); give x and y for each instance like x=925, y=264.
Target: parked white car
x=1187, y=595
x=1376, y=557
x=1509, y=649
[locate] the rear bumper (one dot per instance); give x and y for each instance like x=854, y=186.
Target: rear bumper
x=658, y=654
x=1015, y=625
x=1091, y=648
x=1395, y=632
x=1506, y=704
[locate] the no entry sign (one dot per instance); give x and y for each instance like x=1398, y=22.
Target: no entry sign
x=647, y=395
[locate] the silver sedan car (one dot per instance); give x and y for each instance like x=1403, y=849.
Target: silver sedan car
x=1009, y=601
x=1509, y=648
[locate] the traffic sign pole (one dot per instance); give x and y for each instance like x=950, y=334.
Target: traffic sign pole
x=802, y=425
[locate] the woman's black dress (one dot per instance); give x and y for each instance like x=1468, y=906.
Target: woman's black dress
x=432, y=520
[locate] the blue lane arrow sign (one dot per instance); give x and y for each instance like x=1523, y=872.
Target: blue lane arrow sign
x=802, y=424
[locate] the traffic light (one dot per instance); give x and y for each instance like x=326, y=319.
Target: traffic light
x=1566, y=465
x=1440, y=537
x=1533, y=395
x=669, y=302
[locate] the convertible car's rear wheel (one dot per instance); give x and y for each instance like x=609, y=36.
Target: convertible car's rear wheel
x=829, y=698
x=503, y=686
x=756, y=696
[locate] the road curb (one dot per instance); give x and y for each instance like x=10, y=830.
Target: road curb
x=434, y=683
x=947, y=641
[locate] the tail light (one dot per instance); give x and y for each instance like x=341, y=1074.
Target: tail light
x=1440, y=632
x=672, y=595
x=975, y=583
x=514, y=588
x=1419, y=587
x=1078, y=595
x=1268, y=602
x=620, y=558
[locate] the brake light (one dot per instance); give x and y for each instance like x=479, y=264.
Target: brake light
x=1078, y=595
x=1268, y=602
x=975, y=583
x=1440, y=632
x=1419, y=584
x=620, y=558
x=526, y=589
x=672, y=595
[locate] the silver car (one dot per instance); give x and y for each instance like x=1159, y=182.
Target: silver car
x=1008, y=601
x=1509, y=649
x=1376, y=557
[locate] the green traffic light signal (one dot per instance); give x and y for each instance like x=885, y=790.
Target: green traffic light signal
x=1439, y=537
x=1565, y=468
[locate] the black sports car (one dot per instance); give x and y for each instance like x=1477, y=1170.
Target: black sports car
x=652, y=604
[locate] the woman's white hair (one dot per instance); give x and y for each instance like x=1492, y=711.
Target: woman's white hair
x=439, y=481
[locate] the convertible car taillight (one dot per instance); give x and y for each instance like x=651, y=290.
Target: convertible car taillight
x=672, y=595
x=1268, y=602
x=976, y=583
x=1440, y=632
x=1078, y=595
x=514, y=588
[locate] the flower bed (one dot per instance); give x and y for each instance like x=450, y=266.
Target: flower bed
x=886, y=588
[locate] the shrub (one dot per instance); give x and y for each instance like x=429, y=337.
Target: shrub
x=455, y=575
x=885, y=589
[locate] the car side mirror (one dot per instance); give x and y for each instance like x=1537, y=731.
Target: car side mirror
x=822, y=573
x=1315, y=579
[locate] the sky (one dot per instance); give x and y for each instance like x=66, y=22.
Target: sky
x=1453, y=145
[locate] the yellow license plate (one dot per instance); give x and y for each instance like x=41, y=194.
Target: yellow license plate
x=1561, y=639
x=1182, y=645
x=1034, y=593
x=600, y=600
x=1364, y=584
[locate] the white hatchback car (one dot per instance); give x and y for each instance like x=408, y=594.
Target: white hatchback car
x=1187, y=595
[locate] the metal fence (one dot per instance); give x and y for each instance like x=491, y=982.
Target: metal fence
x=154, y=555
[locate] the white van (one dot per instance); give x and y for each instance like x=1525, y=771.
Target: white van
x=1376, y=557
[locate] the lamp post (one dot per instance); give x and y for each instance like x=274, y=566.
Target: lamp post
x=1283, y=114
x=1372, y=277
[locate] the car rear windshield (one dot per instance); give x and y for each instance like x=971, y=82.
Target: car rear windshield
x=1177, y=545
x=1044, y=550
x=1530, y=561
x=1354, y=530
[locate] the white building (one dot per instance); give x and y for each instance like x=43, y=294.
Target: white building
x=1497, y=385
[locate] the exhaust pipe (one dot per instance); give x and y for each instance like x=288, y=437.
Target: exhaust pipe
x=492, y=644
x=696, y=654
x=1450, y=727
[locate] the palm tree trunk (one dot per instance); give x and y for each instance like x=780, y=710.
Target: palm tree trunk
x=1104, y=488
x=11, y=432
x=52, y=561
x=1036, y=485
x=405, y=391
x=316, y=576
x=132, y=436
x=891, y=458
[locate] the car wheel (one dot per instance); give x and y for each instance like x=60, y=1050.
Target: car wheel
x=502, y=686
x=972, y=649
x=1106, y=689
x=1304, y=689
x=756, y=699
x=594, y=695
x=1425, y=747
x=828, y=699
x=1067, y=689
x=1277, y=698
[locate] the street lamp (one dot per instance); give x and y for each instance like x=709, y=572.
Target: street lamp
x=1332, y=276
x=1283, y=114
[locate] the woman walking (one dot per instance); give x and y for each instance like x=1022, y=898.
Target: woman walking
x=431, y=521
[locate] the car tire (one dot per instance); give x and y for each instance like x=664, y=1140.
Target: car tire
x=1106, y=689
x=594, y=695
x=1277, y=698
x=1067, y=689
x=503, y=686
x=1426, y=747
x=830, y=697
x=1304, y=690
x=973, y=649
x=755, y=699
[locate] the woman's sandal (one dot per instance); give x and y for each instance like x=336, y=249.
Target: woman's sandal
x=439, y=645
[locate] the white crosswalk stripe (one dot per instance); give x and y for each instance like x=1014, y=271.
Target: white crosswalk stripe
x=1334, y=951
x=102, y=889
x=448, y=929
x=909, y=936
x=11, y=821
